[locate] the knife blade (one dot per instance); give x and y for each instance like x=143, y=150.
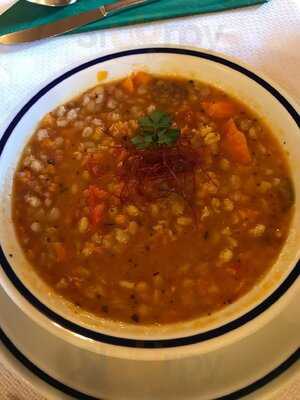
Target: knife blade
x=69, y=23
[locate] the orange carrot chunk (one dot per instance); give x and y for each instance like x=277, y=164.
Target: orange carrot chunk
x=128, y=85
x=142, y=78
x=96, y=214
x=94, y=193
x=102, y=75
x=60, y=252
x=220, y=109
x=235, y=143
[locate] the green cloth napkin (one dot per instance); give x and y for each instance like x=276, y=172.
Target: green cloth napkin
x=24, y=15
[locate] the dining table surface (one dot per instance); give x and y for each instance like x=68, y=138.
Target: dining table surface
x=267, y=37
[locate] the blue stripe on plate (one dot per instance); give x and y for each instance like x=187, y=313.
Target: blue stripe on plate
x=260, y=383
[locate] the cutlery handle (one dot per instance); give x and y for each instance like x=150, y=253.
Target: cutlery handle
x=122, y=5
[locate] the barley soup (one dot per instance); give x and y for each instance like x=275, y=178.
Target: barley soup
x=152, y=199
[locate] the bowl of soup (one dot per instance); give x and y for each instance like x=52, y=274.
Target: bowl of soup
x=149, y=203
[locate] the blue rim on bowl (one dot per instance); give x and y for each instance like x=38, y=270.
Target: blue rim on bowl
x=149, y=343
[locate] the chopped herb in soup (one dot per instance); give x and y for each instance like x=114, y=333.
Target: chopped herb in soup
x=152, y=199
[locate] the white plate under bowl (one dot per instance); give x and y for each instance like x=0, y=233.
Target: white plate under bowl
x=256, y=367
x=129, y=341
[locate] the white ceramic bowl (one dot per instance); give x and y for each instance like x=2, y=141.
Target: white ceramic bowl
x=170, y=341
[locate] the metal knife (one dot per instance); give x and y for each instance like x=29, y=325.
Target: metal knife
x=70, y=23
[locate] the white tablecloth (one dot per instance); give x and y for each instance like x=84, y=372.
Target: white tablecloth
x=267, y=37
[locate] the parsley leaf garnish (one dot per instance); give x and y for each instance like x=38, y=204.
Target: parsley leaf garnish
x=155, y=130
